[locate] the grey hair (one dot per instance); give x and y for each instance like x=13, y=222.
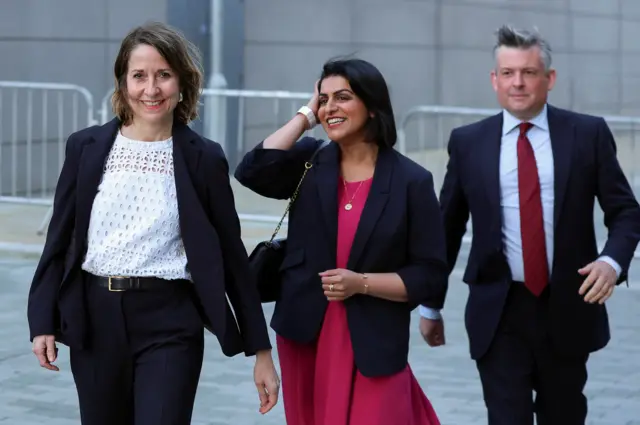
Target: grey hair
x=508, y=36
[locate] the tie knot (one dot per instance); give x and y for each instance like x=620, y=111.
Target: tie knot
x=524, y=127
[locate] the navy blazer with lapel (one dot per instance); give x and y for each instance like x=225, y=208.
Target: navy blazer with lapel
x=585, y=170
x=400, y=231
x=209, y=227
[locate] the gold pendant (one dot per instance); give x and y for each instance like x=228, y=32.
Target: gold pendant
x=348, y=206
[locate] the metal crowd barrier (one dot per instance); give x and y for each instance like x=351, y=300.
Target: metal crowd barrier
x=424, y=133
x=36, y=119
x=258, y=112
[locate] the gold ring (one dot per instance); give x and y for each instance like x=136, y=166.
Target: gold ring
x=331, y=288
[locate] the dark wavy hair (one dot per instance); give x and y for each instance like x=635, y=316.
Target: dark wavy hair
x=369, y=85
x=181, y=55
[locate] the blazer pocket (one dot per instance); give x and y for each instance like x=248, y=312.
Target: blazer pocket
x=292, y=259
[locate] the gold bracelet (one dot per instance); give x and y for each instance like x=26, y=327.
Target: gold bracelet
x=366, y=285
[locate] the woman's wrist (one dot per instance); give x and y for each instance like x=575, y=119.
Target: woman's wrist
x=364, y=284
x=388, y=286
x=263, y=354
x=309, y=115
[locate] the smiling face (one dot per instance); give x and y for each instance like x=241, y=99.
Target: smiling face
x=153, y=89
x=342, y=114
x=521, y=81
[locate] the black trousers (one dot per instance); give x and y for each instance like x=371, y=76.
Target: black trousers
x=521, y=360
x=144, y=359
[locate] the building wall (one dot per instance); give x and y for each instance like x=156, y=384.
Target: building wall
x=62, y=41
x=430, y=51
x=439, y=51
x=69, y=41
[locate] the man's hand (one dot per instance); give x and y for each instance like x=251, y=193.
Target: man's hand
x=432, y=331
x=44, y=347
x=267, y=381
x=601, y=278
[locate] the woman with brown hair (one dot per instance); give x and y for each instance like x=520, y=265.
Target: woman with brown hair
x=143, y=249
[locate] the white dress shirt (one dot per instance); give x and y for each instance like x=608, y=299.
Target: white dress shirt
x=540, y=140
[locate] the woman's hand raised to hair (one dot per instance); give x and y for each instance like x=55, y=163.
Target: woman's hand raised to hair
x=314, y=102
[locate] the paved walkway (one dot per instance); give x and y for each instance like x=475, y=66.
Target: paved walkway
x=30, y=395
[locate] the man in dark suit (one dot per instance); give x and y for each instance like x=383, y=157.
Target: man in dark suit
x=529, y=177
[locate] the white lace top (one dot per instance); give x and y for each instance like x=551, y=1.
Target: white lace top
x=134, y=228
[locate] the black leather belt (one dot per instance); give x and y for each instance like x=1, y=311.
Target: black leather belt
x=122, y=283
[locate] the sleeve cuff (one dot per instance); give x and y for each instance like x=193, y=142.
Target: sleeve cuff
x=429, y=313
x=612, y=263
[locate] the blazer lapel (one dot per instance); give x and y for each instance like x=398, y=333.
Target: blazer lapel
x=374, y=206
x=90, y=170
x=326, y=178
x=489, y=153
x=186, y=156
x=562, y=135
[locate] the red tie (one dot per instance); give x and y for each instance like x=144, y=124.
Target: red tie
x=534, y=253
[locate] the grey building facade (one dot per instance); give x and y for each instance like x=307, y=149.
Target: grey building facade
x=439, y=51
x=434, y=52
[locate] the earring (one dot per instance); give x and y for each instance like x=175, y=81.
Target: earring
x=180, y=99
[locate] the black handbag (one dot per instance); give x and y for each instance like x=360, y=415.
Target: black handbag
x=266, y=258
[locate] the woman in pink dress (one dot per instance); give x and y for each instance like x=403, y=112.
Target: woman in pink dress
x=365, y=246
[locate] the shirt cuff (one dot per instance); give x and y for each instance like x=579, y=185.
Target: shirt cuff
x=429, y=313
x=612, y=263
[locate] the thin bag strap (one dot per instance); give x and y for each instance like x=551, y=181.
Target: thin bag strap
x=307, y=167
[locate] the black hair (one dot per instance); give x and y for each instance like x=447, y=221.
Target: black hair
x=369, y=85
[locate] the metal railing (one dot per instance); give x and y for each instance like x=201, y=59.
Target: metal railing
x=258, y=113
x=282, y=107
x=35, y=121
x=28, y=121
x=424, y=132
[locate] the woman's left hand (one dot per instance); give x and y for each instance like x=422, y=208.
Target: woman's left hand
x=340, y=284
x=267, y=380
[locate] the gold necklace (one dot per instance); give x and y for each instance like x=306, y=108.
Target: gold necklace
x=349, y=204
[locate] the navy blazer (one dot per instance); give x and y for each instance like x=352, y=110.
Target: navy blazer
x=400, y=231
x=585, y=169
x=210, y=230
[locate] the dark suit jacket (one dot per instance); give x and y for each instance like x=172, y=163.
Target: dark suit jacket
x=586, y=169
x=210, y=231
x=400, y=231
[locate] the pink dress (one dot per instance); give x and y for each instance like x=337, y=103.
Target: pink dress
x=320, y=383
